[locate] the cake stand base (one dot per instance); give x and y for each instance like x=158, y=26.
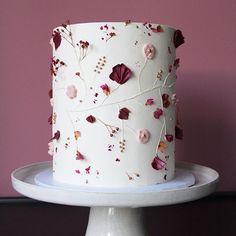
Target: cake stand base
x=106, y=221
x=114, y=212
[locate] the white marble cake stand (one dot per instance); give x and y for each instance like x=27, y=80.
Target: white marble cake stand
x=115, y=212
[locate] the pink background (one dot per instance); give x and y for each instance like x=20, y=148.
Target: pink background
x=206, y=78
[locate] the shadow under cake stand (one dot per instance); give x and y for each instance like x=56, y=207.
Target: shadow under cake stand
x=116, y=211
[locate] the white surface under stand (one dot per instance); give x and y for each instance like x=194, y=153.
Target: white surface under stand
x=116, y=212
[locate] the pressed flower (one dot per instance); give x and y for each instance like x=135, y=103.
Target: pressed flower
x=88, y=170
x=157, y=113
x=56, y=136
x=91, y=119
x=143, y=135
x=77, y=171
x=124, y=113
x=158, y=164
x=158, y=29
x=165, y=100
x=169, y=137
x=120, y=73
x=77, y=134
x=79, y=156
x=105, y=88
x=176, y=63
x=162, y=146
x=149, y=102
x=50, y=148
x=149, y=51
x=178, y=38
x=56, y=37
x=50, y=93
x=71, y=91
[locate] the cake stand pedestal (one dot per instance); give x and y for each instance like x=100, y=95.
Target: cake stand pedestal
x=115, y=212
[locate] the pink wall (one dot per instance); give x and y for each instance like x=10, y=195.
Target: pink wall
x=206, y=82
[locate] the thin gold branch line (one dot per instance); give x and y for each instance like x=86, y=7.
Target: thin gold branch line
x=121, y=101
x=131, y=129
x=67, y=40
x=139, y=76
x=159, y=90
x=111, y=94
x=159, y=139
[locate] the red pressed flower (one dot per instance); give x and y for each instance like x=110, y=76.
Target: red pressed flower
x=169, y=137
x=88, y=170
x=79, y=156
x=124, y=113
x=165, y=100
x=157, y=113
x=56, y=39
x=158, y=29
x=158, y=164
x=56, y=135
x=106, y=89
x=179, y=132
x=77, y=73
x=178, y=38
x=149, y=102
x=120, y=73
x=91, y=119
x=176, y=63
x=50, y=93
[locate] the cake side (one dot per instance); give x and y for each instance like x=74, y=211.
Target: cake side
x=114, y=103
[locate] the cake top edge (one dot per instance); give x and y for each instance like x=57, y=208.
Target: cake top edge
x=99, y=23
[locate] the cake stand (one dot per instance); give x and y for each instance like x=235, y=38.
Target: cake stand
x=115, y=211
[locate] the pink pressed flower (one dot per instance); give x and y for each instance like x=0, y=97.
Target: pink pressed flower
x=71, y=91
x=157, y=113
x=77, y=171
x=149, y=102
x=158, y=164
x=88, y=170
x=120, y=73
x=79, y=156
x=149, y=51
x=105, y=88
x=169, y=137
x=143, y=135
x=51, y=102
x=50, y=148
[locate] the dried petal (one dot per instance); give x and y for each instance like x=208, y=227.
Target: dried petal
x=158, y=164
x=88, y=170
x=169, y=137
x=124, y=113
x=56, y=39
x=91, y=119
x=149, y=102
x=120, y=73
x=56, y=136
x=162, y=146
x=77, y=134
x=178, y=38
x=165, y=100
x=50, y=93
x=50, y=119
x=158, y=29
x=106, y=89
x=157, y=113
x=79, y=156
x=176, y=63
x=77, y=171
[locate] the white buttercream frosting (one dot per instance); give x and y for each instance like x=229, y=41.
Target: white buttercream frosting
x=111, y=130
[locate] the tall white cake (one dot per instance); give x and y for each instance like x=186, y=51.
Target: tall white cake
x=114, y=101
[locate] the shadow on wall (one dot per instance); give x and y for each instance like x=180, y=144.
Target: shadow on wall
x=208, y=114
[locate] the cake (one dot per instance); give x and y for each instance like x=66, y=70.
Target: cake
x=114, y=103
